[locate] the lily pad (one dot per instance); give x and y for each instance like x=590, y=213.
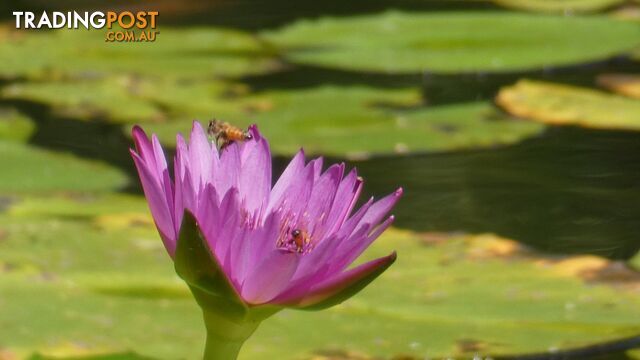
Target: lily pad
x=14, y=125
x=114, y=98
x=560, y=6
x=344, y=121
x=452, y=42
x=66, y=281
x=132, y=99
x=624, y=84
x=38, y=170
x=192, y=53
x=569, y=105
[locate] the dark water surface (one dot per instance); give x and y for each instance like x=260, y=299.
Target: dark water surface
x=571, y=190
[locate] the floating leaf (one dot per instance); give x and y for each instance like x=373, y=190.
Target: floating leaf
x=14, y=125
x=358, y=121
x=194, y=53
x=37, y=170
x=560, y=6
x=449, y=42
x=624, y=84
x=569, y=105
x=131, y=99
x=113, y=98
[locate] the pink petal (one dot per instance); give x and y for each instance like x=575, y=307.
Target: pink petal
x=265, y=238
x=319, y=204
x=157, y=203
x=143, y=146
x=200, y=157
x=229, y=169
x=345, y=199
x=346, y=283
x=268, y=279
x=255, y=177
x=349, y=251
x=289, y=176
x=209, y=216
x=381, y=208
x=229, y=226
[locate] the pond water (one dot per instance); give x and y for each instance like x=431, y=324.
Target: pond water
x=570, y=190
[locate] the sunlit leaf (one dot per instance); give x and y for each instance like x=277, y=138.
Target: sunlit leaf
x=624, y=84
x=569, y=105
x=560, y=6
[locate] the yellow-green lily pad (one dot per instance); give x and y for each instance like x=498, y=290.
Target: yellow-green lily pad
x=66, y=281
x=560, y=6
x=30, y=169
x=453, y=42
x=15, y=125
x=569, y=105
x=359, y=121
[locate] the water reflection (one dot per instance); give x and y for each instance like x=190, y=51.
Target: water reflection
x=569, y=191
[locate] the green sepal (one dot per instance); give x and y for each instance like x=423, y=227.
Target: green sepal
x=196, y=265
x=228, y=319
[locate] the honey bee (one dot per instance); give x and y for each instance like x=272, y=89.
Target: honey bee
x=221, y=130
x=300, y=238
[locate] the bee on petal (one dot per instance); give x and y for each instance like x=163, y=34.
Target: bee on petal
x=225, y=134
x=300, y=238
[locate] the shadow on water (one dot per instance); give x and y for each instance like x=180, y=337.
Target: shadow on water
x=92, y=139
x=570, y=191
x=438, y=89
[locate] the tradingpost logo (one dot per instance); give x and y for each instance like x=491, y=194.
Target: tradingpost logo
x=123, y=26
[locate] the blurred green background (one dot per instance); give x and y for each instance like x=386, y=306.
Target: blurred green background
x=512, y=125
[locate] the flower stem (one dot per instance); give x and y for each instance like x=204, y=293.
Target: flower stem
x=225, y=337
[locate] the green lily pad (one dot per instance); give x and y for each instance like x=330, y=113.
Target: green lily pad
x=397, y=42
x=36, y=170
x=131, y=99
x=14, y=125
x=569, y=105
x=360, y=121
x=66, y=281
x=560, y=6
x=112, y=98
x=117, y=356
x=192, y=53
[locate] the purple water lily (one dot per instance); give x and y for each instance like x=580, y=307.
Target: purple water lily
x=289, y=245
